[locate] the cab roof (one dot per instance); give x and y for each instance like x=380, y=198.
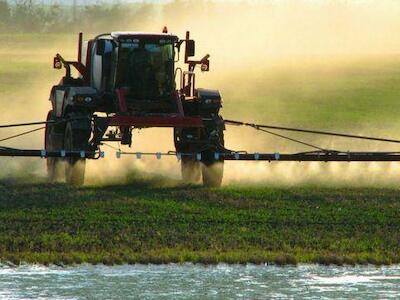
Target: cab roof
x=133, y=34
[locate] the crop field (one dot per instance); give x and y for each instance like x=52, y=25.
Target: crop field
x=156, y=220
x=150, y=217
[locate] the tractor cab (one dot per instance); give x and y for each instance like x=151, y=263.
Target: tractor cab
x=140, y=66
x=134, y=71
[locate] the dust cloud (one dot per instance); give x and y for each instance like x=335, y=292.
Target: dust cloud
x=262, y=54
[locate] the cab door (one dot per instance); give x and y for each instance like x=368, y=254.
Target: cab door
x=101, y=64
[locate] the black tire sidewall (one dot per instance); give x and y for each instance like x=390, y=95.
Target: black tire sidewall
x=75, y=140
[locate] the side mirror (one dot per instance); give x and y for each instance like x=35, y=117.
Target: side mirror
x=57, y=64
x=205, y=66
x=190, y=48
x=100, y=47
x=205, y=63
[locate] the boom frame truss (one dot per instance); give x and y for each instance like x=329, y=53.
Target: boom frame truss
x=320, y=155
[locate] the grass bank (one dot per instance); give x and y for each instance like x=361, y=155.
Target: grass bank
x=159, y=221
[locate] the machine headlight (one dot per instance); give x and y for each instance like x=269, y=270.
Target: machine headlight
x=83, y=99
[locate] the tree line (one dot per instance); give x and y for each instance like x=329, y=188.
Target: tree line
x=29, y=16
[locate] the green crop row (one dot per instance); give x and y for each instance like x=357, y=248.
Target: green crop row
x=140, y=222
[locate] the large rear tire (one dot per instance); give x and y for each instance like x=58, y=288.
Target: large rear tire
x=54, y=136
x=212, y=167
x=75, y=140
x=205, y=142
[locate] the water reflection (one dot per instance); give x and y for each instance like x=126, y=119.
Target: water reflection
x=196, y=281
